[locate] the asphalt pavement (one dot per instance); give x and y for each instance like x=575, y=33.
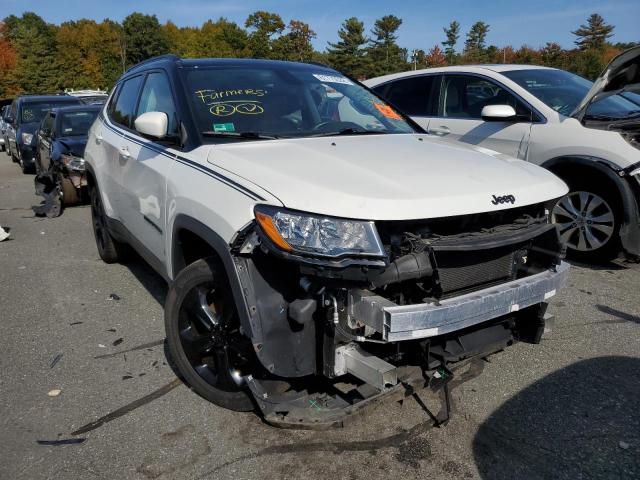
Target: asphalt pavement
x=567, y=408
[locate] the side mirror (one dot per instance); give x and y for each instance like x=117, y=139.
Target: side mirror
x=152, y=124
x=498, y=113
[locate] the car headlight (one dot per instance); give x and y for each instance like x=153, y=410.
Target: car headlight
x=318, y=235
x=72, y=162
x=27, y=138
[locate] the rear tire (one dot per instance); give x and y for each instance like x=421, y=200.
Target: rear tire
x=202, y=328
x=589, y=217
x=109, y=249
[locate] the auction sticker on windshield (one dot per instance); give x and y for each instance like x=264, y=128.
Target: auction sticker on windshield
x=333, y=79
x=224, y=127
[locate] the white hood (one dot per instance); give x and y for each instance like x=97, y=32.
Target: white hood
x=621, y=75
x=385, y=177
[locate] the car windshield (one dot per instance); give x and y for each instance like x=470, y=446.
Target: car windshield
x=563, y=91
x=76, y=123
x=35, y=111
x=277, y=101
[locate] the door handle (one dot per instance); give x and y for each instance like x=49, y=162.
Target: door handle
x=441, y=131
x=99, y=138
x=124, y=152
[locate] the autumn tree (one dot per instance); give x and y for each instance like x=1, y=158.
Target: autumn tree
x=349, y=54
x=594, y=34
x=475, y=44
x=34, y=43
x=8, y=61
x=78, y=54
x=552, y=55
x=385, y=54
x=264, y=27
x=295, y=45
x=453, y=34
x=143, y=38
x=435, y=57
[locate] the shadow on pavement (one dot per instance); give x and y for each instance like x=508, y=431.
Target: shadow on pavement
x=580, y=422
x=147, y=276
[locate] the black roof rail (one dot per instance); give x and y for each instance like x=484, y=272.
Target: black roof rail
x=168, y=56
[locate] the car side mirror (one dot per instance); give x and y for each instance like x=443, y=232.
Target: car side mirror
x=498, y=113
x=152, y=124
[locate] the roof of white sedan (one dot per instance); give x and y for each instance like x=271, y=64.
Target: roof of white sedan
x=498, y=68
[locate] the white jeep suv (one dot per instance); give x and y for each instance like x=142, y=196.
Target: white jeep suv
x=588, y=134
x=312, y=236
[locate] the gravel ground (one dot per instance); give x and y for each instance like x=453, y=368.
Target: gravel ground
x=567, y=408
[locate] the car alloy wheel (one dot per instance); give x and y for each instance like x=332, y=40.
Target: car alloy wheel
x=586, y=221
x=207, y=337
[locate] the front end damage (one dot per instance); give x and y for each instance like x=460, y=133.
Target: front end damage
x=335, y=336
x=62, y=184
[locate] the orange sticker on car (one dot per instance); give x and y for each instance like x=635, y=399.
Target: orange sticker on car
x=387, y=111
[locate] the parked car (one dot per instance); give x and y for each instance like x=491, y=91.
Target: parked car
x=587, y=133
x=90, y=97
x=60, y=170
x=3, y=127
x=25, y=116
x=305, y=249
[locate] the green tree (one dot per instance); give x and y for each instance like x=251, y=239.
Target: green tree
x=264, y=26
x=594, y=34
x=78, y=54
x=112, y=51
x=453, y=34
x=34, y=43
x=475, y=44
x=552, y=55
x=143, y=38
x=386, y=56
x=588, y=63
x=221, y=39
x=349, y=54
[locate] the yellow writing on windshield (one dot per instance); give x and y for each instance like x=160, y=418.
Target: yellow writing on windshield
x=209, y=96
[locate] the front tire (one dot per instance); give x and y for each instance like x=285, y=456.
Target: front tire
x=589, y=219
x=203, y=335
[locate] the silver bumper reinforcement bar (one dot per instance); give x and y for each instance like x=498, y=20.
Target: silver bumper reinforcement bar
x=406, y=322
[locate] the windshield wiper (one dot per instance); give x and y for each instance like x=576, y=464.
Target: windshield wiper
x=240, y=135
x=348, y=131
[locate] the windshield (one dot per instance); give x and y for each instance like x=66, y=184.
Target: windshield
x=76, y=123
x=35, y=111
x=563, y=91
x=276, y=101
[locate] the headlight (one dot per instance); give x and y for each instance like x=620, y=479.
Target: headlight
x=72, y=162
x=27, y=138
x=311, y=234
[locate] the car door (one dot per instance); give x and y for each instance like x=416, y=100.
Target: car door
x=146, y=167
x=114, y=147
x=416, y=96
x=11, y=129
x=461, y=100
x=45, y=137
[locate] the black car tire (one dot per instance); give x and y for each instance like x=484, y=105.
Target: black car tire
x=215, y=381
x=109, y=249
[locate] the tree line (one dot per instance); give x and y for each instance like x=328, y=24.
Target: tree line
x=38, y=57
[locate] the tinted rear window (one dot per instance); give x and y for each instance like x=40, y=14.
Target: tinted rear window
x=125, y=105
x=35, y=111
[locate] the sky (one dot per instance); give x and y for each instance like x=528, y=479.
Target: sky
x=532, y=22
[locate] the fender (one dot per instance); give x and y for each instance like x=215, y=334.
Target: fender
x=223, y=250
x=282, y=352
x=630, y=229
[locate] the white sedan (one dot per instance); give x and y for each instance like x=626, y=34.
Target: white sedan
x=587, y=133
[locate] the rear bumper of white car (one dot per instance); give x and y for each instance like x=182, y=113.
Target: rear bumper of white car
x=408, y=322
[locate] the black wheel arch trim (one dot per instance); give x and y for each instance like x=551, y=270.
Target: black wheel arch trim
x=630, y=195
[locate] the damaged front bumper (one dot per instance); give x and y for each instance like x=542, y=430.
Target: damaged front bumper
x=407, y=322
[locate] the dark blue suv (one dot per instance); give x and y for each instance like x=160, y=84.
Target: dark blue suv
x=27, y=111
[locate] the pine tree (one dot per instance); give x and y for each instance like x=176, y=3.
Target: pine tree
x=349, y=55
x=453, y=34
x=386, y=55
x=594, y=34
x=475, y=46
